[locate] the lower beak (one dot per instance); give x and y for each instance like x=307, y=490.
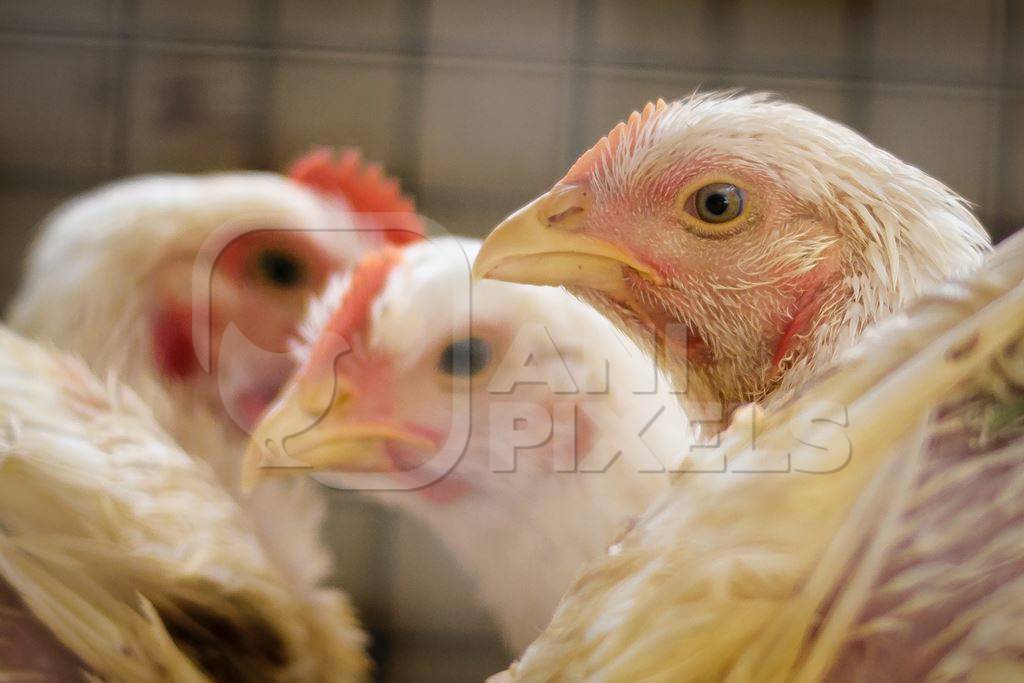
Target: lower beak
x=292, y=439
x=543, y=244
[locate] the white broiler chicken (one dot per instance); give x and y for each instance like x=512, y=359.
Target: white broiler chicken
x=891, y=550
x=123, y=559
x=515, y=422
x=749, y=241
x=190, y=289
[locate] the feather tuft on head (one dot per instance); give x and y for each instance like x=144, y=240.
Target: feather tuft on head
x=624, y=136
x=365, y=187
x=364, y=283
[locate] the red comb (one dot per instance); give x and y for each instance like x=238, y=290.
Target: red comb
x=365, y=187
x=625, y=133
x=366, y=281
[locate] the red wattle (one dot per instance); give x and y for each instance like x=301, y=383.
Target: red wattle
x=173, y=352
x=808, y=306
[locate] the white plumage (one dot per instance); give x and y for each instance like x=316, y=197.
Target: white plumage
x=520, y=534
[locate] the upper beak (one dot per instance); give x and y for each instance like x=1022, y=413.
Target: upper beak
x=544, y=243
x=308, y=429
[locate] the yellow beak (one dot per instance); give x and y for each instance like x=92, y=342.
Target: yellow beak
x=307, y=430
x=544, y=244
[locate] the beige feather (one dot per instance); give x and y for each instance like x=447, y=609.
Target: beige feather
x=904, y=563
x=129, y=551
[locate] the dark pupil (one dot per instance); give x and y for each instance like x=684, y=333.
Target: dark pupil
x=465, y=357
x=280, y=268
x=716, y=203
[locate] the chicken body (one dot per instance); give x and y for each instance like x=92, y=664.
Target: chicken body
x=129, y=553
x=891, y=550
x=516, y=423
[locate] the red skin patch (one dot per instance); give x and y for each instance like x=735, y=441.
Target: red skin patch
x=365, y=187
x=250, y=405
x=240, y=294
x=173, y=352
x=171, y=327
x=235, y=260
x=444, y=491
x=807, y=307
x=584, y=435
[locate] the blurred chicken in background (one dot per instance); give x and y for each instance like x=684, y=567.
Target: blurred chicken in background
x=516, y=422
x=123, y=559
x=190, y=288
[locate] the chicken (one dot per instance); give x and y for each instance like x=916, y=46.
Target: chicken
x=891, y=549
x=121, y=555
x=191, y=288
x=748, y=241
x=496, y=429
x=200, y=282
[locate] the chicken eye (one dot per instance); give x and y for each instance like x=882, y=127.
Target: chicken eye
x=465, y=357
x=280, y=269
x=718, y=202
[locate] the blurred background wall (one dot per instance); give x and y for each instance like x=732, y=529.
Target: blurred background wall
x=477, y=106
